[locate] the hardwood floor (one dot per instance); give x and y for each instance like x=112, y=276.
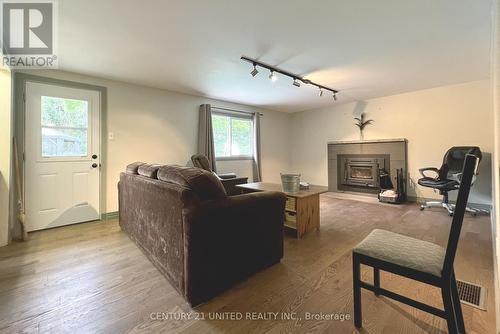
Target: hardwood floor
x=91, y=278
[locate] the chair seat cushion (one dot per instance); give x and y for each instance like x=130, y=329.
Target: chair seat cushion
x=438, y=184
x=403, y=251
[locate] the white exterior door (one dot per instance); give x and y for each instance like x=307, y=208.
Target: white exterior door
x=62, y=155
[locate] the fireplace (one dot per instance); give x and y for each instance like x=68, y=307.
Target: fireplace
x=361, y=172
x=361, y=156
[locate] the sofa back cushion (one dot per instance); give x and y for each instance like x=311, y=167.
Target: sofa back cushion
x=133, y=167
x=205, y=184
x=148, y=170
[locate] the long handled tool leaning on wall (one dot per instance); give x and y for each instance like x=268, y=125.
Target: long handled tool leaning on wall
x=21, y=216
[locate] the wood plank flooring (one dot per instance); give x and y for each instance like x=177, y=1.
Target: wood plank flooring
x=90, y=278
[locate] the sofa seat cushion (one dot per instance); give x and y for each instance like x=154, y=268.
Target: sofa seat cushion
x=404, y=251
x=133, y=167
x=205, y=184
x=149, y=170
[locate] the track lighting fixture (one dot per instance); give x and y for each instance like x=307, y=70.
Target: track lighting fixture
x=296, y=78
x=272, y=76
x=254, y=71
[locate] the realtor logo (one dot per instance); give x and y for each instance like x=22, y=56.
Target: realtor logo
x=28, y=30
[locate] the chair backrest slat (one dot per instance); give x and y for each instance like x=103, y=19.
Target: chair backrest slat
x=468, y=172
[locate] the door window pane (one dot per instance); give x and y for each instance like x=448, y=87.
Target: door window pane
x=64, y=142
x=64, y=125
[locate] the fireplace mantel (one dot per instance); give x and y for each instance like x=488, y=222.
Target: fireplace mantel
x=368, y=141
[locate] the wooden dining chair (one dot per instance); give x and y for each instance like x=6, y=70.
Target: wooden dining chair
x=416, y=259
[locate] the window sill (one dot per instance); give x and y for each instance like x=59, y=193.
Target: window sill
x=235, y=158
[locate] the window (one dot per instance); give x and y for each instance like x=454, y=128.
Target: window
x=65, y=124
x=233, y=136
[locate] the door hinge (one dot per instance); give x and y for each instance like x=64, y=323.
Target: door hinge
x=24, y=157
x=24, y=96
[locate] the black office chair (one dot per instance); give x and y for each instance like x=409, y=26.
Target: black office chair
x=448, y=177
x=416, y=259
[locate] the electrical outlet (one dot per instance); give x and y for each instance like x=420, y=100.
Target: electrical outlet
x=111, y=136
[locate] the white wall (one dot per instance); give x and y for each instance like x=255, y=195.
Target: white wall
x=496, y=156
x=155, y=125
x=432, y=120
x=5, y=152
x=496, y=109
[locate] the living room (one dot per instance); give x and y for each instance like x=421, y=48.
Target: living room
x=290, y=91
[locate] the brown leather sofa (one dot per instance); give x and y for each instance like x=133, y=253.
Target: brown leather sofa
x=202, y=240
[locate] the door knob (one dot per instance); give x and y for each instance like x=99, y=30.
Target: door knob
x=94, y=165
x=94, y=156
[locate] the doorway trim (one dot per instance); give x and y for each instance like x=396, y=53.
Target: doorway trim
x=19, y=121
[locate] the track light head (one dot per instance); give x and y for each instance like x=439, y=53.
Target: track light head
x=254, y=71
x=320, y=92
x=296, y=83
x=273, y=76
x=334, y=96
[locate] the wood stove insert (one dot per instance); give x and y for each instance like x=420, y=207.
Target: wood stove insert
x=361, y=171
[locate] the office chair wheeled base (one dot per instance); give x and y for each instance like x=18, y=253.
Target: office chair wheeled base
x=451, y=208
x=473, y=210
x=435, y=204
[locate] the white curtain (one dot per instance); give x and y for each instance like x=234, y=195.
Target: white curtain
x=257, y=168
x=206, y=136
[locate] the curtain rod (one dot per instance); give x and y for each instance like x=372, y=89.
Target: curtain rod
x=238, y=111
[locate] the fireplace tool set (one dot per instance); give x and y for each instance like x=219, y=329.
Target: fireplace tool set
x=387, y=192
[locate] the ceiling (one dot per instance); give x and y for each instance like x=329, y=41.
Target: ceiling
x=362, y=48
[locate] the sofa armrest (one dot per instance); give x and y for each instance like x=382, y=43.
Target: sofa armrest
x=227, y=240
x=230, y=185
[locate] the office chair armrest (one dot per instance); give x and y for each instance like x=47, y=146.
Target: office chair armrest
x=457, y=177
x=427, y=169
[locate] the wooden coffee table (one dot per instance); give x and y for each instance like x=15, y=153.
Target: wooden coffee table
x=301, y=209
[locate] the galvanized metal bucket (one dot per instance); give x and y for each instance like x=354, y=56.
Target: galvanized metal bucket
x=290, y=182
